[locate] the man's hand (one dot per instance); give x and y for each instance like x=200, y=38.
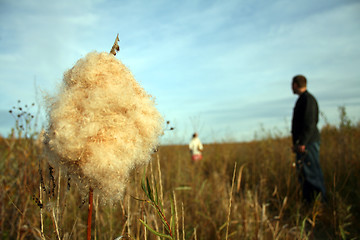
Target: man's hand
x=300, y=148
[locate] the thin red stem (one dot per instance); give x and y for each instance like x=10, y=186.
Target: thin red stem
x=90, y=214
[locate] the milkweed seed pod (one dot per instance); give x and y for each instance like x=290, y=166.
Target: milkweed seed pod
x=102, y=124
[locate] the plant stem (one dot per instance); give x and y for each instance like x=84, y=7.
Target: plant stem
x=89, y=213
x=229, y=211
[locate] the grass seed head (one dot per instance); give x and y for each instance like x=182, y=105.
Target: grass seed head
x=101, y=124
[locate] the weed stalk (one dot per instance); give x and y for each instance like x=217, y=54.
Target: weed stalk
x=90, y=213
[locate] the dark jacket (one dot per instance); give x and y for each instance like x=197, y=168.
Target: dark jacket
x=305, y=118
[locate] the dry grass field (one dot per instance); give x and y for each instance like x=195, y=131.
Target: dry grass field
x=238, y=191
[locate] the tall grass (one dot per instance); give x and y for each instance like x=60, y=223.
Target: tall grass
x=262, y=189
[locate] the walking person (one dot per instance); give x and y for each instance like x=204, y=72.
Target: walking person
x=306, y=141
x=196, y=148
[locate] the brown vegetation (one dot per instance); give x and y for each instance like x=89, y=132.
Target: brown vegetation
x=265, y=197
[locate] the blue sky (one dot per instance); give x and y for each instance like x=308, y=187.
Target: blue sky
x=221, y=68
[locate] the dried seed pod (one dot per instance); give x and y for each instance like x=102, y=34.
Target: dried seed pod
x=101, y=124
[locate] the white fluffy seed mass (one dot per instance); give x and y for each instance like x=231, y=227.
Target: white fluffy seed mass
x=102, y=123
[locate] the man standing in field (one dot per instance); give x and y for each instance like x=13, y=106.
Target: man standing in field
x=306, y=140
x=195, y=147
